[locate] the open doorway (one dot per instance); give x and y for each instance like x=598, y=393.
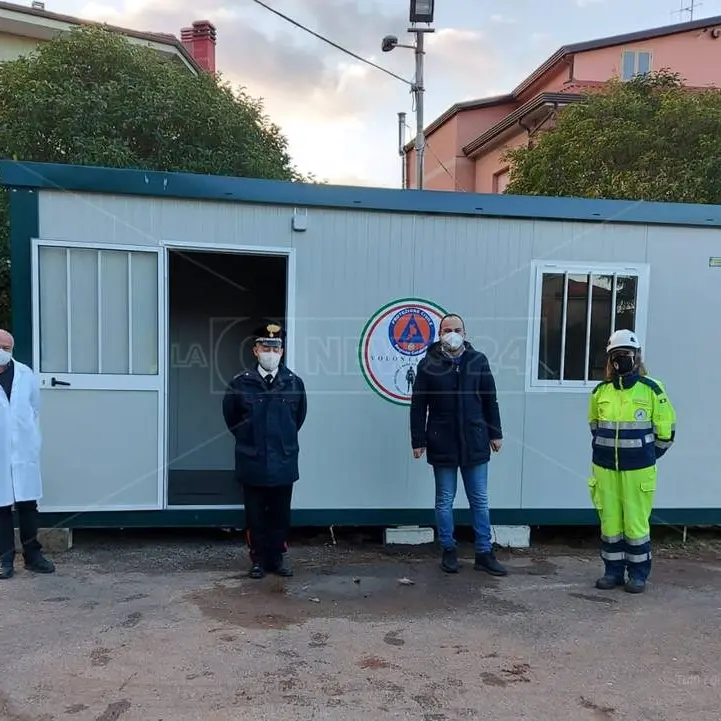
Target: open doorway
x=214, y=302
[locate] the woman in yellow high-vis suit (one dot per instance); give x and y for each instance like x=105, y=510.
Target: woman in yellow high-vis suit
x=632, y=424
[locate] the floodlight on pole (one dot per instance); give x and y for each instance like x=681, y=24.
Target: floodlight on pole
x=421, y=11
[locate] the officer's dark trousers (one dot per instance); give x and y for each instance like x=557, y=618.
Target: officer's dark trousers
x=267, y=521
x=28, y=522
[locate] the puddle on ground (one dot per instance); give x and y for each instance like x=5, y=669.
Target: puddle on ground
x=365, y=592
x=344, y=587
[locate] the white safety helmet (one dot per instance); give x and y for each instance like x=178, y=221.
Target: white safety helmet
x=623, y=339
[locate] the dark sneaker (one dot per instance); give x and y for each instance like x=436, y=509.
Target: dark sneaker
x=606, y=583
x=279, y=566
x=635, y=586
x=39, y=564
x=6, y=571
x=487, y=562
x=283, y=569
x=257, y=571
x=449, y=561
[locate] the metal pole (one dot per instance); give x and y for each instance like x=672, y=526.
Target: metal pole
x=401, y=146
x=419, y=90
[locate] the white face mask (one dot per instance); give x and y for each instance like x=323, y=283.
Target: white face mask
x=452, y=341
x=269, y=361
x=5, y=357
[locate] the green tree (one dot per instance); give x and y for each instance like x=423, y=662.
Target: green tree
x=93, y=98
x=646, y=139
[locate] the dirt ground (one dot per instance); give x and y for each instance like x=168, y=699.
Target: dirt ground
x=167, y=628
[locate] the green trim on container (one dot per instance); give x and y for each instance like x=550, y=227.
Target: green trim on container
x=156, y=184
x=324, y=518
x=24, y=226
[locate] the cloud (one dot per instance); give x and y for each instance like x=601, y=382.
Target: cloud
x=503, y=19
x=460, y=51
x=293, y=71
x=328, y=104
x=359, y=180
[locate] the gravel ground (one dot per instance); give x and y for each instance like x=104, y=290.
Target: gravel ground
x=155, y=627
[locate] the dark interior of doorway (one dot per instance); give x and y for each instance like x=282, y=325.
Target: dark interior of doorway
x=215, y=300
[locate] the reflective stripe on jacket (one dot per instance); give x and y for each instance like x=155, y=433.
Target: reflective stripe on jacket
x=632, y=422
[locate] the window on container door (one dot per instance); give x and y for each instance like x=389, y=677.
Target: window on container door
x=635, y=63
x=578, y=313
x=98, y=311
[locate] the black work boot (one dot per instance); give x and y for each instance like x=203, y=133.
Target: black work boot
x=487, y=562
x=39, y=564
x=635, y=585
x=449, y=561
x=6, y=570
x=607, y=582
x=282, y=568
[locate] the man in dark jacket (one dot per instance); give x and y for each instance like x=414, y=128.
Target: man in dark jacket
x=455, y=421
x=264, y=408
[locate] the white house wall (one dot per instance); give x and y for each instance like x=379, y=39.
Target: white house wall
x=355, y=448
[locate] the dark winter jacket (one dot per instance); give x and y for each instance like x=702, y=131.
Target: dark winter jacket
x=454, y=409
x=265, y=423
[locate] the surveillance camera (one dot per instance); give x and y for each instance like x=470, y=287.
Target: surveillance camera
x=389, y=42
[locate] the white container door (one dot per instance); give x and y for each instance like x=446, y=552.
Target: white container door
x=98, y=334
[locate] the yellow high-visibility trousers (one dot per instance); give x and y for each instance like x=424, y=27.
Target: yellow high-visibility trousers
x=624, y=501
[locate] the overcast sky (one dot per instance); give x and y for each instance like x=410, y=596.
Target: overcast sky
x=340, y=115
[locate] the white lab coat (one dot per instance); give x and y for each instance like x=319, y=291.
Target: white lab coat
x=20, y=439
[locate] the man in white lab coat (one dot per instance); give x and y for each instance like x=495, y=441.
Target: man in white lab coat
x=20, y=479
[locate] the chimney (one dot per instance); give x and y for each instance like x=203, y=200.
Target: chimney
x=199, y=40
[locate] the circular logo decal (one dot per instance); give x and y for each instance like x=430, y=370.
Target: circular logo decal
x=392, y=344
x=640, y=414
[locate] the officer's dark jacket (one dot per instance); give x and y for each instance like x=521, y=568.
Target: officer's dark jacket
x=454, y=408
x=265, y=423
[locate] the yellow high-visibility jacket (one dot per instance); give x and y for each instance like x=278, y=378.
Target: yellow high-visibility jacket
x=633, y=422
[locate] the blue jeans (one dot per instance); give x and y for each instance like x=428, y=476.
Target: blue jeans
x=475, y=481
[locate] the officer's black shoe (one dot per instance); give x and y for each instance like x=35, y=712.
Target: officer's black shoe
x=257, y=571
x=449, y=561
x=633, y=585
x=6, y=570
x=279, y=567
x=487, y=562
x=606, y=583
x=283, y=569
x=39, y=564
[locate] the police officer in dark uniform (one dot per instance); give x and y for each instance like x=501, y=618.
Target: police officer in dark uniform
x=264, y=408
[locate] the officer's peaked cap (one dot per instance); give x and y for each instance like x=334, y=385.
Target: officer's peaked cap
x=272, y=332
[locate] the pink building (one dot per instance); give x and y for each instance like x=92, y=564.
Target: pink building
x=469, y=140
x=24, y=27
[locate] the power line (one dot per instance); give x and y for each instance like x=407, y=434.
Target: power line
x=330, y=42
